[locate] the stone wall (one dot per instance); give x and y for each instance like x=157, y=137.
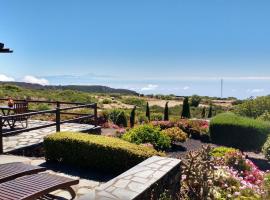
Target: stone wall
x=145, y=181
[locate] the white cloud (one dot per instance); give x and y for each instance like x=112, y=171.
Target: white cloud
x=255, y=90
x=4, y=77
x=186, y=88
x=149, y=87
x=33, y=79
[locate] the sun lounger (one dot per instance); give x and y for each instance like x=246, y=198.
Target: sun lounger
x=11, y=171
x=34, y=186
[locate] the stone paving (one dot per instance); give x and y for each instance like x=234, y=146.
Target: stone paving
x=84, y=187
x=134, y=183
x=35, y=137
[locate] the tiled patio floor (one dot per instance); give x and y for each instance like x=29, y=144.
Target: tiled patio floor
x=35, y=137
x=88, y=179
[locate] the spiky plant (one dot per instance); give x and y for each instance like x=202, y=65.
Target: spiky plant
x=147, y=114
x=210, y=113
x=185, y=110
x=203, y=112
x=166, y=112
x=132, y=117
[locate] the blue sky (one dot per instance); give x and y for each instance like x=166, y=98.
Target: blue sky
x=152, y=46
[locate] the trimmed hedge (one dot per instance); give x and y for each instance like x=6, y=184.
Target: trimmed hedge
x=240, y=132
x=95, y=151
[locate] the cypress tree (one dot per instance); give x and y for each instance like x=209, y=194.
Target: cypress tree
x=166, y=112
x=132, y=117
x=147, y=114
x=185, y=110
x=210, y=111
x=203, y=112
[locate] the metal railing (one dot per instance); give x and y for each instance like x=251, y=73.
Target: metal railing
x=58, y=111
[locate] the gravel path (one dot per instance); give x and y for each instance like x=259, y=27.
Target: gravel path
x=180, y=151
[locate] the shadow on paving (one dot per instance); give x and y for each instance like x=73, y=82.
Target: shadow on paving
x=89, y=174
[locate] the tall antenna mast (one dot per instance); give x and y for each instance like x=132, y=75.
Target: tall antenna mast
x=221, y=88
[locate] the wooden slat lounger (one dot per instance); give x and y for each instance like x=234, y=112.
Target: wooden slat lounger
x=34, y=186
x=11, y=171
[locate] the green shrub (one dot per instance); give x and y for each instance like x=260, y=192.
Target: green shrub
x=40, y=107
x=142, y=119
x=195, y=100
x=132, y=117
x=210, y=112
x=237, y=161
x=134, y=101
x=221, y=151
x=265, y=116
x=253, y=107
x=156, y=117
x=147, y=112
x=118, y=117
x=166, y=112
x=106, y=101
x=240, y=132
x=266, y=185
x=148, y=134
x=94, y=151
x=266, y=148
x=185, y=110
x=175, y=134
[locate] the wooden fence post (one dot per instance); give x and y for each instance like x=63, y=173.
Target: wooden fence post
x=1, y=136
x=95, y=114
x=57, y=116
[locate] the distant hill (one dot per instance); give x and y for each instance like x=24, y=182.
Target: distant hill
x=83, y=88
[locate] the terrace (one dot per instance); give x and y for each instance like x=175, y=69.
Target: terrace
x=28, y=141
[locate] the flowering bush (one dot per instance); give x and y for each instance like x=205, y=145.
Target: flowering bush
x=176, y=134
x=148, y=134
x=195, y=128
x=237, y=161
x=163, y=124
x=231, y=177
x=266, y=148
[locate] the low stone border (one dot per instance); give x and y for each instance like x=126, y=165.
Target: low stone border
x=145, y=181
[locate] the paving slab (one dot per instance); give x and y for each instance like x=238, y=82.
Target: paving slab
x=34, y=137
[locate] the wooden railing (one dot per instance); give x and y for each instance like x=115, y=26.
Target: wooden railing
x=58, y=111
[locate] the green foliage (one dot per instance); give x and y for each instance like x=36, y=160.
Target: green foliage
x=148, y=134
x=94, y=151
x=166, y=112
x=237, y=161
x=132, y=117
x=185, y=110
x=40, y=106
x=203, y=112
x=134, y=101
x=142, y=119
x=118, y=117
x=210, y=111
x=147, y=114
x=195, y=100
x=266, y=148
x=17, y=92
x=254, y=107
x=221, y=151
x=175, y=134
x=243, y=133
x=106, y=101
x=266, y=185
x=265, y=116
x=156, y=117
